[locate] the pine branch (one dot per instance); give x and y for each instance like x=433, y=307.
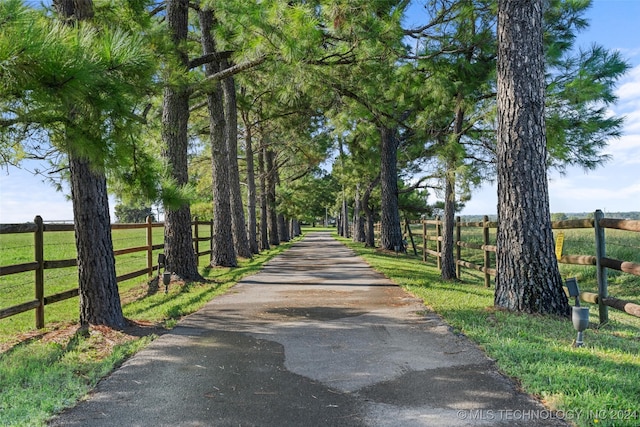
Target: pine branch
x=232, y=71
x=208, y=58
x=439, y=19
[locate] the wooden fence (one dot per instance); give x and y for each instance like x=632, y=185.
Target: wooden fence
x=599, y=223
x=39, y=264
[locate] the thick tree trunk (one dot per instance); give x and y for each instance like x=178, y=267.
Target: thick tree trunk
x=358, y=220
x=178, y=242
x=264, y=211
x=99, y=298
x=283, y=229
x=370, y=239
x=222, y=252
x=294, y=228
x=448, y=263
x=251, y=191
x=240, y=241
x=344, y=216
x=74, y=10
x=390, y=230
x=178, y=245
x=527, y=272
x=272, y=220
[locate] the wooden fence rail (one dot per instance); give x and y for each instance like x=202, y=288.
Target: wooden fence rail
x=39, y=265
x=599, y=223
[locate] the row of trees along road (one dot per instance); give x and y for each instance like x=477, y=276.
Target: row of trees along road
x=264, y=93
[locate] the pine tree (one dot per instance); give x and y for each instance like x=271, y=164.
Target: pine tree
x=178, y=237
x=78, y=84
x=527, y=277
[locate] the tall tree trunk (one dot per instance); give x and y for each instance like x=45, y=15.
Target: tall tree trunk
x=283, y=228
x=345, y=232
x=178, y=244
x=390, y=229
x=240, y=241
x=99, y=298
x=264, y=211
x=294, y=228
x=274, y=237
x=251, y=189
x=222, y=252
x=527, y=272
x=448, y=263
x=358, y=220
x=370, y=239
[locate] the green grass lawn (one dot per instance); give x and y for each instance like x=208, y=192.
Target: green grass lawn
x=596, y=385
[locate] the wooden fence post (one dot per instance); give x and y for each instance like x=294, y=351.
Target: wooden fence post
x=149, y=247
x=38, y=238
x=601, y=271
x=438, y=243
x=211, y=236
x=424, y=240
x=487, y=258
x=196, y=240
x=458, y=247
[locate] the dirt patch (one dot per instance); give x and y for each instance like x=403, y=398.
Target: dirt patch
x=103, y=338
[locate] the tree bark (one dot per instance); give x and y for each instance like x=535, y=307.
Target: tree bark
x=99, y=298
x=358, y=220
x=294, y=228
x=240, y=241
x=274, y=237
x=527, y=272
x=448, y=263
x=370, y=239
x=345, y=232
x=251, y=190
x=390, y=230
x=283, y=229
x=178, y=244
x=98, y=288
x=264, y=227
x=223, y=251
x=74, y=10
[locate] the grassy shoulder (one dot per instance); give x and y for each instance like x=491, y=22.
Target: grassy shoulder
x=43, y=372
x=597, y=384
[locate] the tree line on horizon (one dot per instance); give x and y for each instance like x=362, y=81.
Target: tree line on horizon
x=235, y=111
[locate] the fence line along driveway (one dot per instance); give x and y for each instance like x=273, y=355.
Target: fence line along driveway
x=315, y=339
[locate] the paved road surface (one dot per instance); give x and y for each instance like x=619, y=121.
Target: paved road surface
x=317, y=338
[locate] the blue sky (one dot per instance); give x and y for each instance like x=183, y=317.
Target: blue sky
x=613, y=187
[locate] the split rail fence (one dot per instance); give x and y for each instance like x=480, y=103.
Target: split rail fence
x=432, y=232
x=40, y=230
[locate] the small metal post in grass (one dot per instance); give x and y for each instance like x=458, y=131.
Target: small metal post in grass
x=579, y=315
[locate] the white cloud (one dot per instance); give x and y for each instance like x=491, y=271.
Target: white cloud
x=614, y=189
x=625, y=151
x=629, y=88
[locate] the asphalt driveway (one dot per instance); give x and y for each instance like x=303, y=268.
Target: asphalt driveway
x=317, y=338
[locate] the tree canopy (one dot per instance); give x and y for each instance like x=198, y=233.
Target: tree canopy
x=312, y=107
